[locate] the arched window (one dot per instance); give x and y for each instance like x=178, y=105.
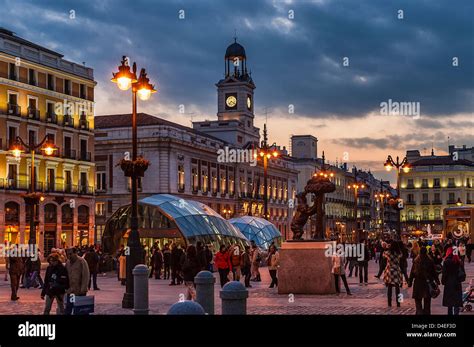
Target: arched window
x=437, y=213
x=425, y=214
x=50, y=213
x=83, y=214
x=12, y=212
x=411, y=215
x=67, y=214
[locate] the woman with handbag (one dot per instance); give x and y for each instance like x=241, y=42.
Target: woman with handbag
x=392, y=275
x=453, y=276
x=425, y=284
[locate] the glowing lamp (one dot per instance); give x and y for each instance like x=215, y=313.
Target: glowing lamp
x=124, y=77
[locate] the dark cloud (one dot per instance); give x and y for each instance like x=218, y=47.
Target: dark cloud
x=293, y=61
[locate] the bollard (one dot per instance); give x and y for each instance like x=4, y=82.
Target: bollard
x=234, y=298
x=204, y=282
x=140, y=285
x=187, y=307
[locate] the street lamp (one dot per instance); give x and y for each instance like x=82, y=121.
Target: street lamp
x=32, y=198
x=126, y=79
x=382, y=197
x=266, y=152
x=405, y=167
x=459, y=202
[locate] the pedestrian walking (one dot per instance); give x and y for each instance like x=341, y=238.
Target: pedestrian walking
x=32, y=270
x=363, y=263
x=201, y=256
x=16, y=268
x=256, y=259
x=157, y=262
x=166, y=262
x=245, y=265
x=222, y=261
x=79, y=277
x=392, y=275
x=234, y=253
x=92, y=259
x=422, y=276
x=453, y=275
x=191, y=267
x=338, y=270
x=175, y=264
x=404, y=260
x=56, y=282
x=383, y=260
x=273, y=263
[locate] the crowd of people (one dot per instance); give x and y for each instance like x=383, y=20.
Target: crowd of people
x=232, y=262
x=430, y=261
x=70, y=272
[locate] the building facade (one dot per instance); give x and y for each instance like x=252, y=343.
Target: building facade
x=186, y=161
x=433, y=184
x=42, y=94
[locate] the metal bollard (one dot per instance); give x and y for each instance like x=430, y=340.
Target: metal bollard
x=204, y=282
x=140, y=294
x=234, y=298
x=187, y=307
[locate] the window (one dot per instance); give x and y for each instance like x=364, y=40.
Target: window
x=100, y=208
x=67, y=87
x=451, y=182
x=194, y=173
x=425, y=197
x=451, y=198
x=12, y=133
x=31, y=77
x=32, y=137
x=424, y=183
x=12, y=175
x=410, y=198
x=437, y=197
x=83, y=182
x=82, y=91
x=437, y=213
x=204, y=178
x=240, y=139
x=410, y=183
x=425, y=214
x=101, y=181
x=67, y=181
x=180, y=177
x=51, y=180
x=411, y=215
x=436, y=183
x=214, y=181
x=223, y=183
x=12, y=72
x=50, y=82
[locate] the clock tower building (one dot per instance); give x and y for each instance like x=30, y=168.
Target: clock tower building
x=235, y=104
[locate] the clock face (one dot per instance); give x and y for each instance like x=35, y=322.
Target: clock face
x=231, y=101
x=249, y=102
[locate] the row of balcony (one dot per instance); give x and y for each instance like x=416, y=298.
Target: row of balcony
x=46, y=187
x=66, y=219
x=51, y=117
x=437, y=186
x=435, y=202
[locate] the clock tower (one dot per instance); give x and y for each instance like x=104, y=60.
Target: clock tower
x=235, y=91
x=235, y=104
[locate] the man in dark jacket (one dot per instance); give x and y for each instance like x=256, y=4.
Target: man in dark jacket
x=157, y=262
x=201, y=256
x=176, y=258
x=166, y=262
x=92, y=259
x=245, y=265
x=363, y=263
x=55, y=284
x=422, y=271
x=16, y=268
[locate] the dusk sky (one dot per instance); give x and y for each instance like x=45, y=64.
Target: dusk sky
x=295, y=50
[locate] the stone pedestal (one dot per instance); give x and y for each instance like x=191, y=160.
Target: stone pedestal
x=305, y=269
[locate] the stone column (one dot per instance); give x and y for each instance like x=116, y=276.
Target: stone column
x=204, y=282
x=234, y=298
x=140, y=295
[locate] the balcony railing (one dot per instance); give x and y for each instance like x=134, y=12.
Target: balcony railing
x=69, y=154
x=51, y=117
x=451, y=202
x=84, y=156
x=68, y=121
x=437, y=202
x=411, y=202
x=425, y=202
x=83, y=124
x=45, y=187
x=13, y=109
x=33, y=113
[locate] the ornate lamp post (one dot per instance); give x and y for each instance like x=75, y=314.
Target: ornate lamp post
x=32, y=198
x=398, y=165
x=266, y=152
x=382, y=197
x=135, y=168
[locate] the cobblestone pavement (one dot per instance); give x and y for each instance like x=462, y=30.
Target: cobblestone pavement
x=366, y=300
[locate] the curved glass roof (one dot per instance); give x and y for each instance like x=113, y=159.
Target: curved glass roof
x=169, y=216
x=257, y=229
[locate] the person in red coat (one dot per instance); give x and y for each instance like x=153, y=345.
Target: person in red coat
x=222, y=261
